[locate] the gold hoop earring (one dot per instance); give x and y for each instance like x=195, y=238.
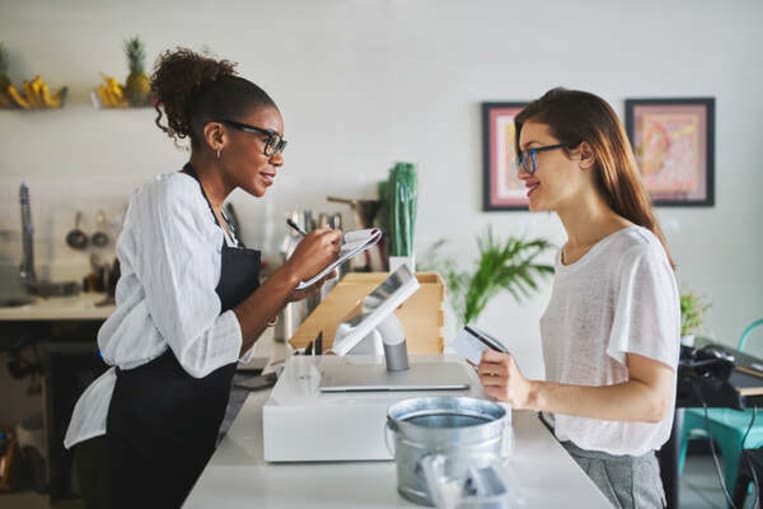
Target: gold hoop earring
x=219, y=152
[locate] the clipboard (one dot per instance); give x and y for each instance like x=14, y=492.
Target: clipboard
x=355, y=242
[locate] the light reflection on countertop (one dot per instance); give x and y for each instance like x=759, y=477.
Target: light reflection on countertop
x=76, y=307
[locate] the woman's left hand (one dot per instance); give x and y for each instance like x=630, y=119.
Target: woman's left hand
x=502, y=379
x=297, y=295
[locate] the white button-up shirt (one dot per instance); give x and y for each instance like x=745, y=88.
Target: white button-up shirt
x=170, y=255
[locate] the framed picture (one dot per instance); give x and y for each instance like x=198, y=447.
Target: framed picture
x=502, y=190
x=674, y=142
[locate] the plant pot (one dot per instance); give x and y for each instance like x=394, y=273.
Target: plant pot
x=687, y=340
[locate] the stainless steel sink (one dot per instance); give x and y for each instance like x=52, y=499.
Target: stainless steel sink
x=55, y=288
x=14, y=302
x=44, y=289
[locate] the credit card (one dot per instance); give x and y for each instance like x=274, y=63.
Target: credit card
x=470, y=343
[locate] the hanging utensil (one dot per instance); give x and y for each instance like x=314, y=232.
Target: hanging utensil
x=27, y=231
x=100, y=238
x=76, y=238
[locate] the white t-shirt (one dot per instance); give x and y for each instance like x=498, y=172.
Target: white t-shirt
x=620, y=297
x=170, y=258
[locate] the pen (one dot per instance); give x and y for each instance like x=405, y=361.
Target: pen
x=318, y=344
x=296, y=227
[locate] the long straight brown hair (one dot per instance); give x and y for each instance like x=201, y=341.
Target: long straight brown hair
x=573, y=117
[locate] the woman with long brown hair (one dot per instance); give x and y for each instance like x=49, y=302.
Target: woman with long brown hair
x=189, y=303
x=610, y=333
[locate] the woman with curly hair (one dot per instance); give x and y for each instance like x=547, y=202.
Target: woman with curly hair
x=189, y=301
x=610, y=333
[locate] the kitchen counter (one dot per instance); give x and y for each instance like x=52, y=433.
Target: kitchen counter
x=77, y=307
x=540, y=473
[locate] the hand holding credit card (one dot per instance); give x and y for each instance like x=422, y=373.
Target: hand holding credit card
x=471, y=341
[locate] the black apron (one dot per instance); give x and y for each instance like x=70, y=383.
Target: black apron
x=162, y=424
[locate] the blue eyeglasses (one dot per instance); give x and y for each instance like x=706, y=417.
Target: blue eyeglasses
x=526, y=157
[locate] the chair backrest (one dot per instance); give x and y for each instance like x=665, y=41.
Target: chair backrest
x=746, y=333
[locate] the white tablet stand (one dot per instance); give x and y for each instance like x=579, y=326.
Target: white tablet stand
x=376, y=330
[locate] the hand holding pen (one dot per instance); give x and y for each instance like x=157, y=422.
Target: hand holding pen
x=316, y=250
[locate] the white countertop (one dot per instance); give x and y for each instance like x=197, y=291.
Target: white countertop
x=77, y=307
x=541, y=473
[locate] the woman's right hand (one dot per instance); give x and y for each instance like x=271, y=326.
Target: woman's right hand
x=502, y=379
x=314, y=252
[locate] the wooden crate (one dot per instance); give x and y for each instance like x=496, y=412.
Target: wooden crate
x=422, y=315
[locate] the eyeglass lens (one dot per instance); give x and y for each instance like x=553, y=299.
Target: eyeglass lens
x=274, y=144
x=526, y=159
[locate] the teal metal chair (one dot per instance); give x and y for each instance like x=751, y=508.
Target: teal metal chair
x=727, y=428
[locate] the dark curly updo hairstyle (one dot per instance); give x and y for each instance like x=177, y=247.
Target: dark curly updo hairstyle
x=193, y=89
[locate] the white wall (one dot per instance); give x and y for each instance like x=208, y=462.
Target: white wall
x=364, y=83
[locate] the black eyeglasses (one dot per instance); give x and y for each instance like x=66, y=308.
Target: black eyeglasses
x=526, y=157
x=273, y=143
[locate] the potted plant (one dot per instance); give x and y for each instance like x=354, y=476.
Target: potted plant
x=503, y=265
x=693, y=309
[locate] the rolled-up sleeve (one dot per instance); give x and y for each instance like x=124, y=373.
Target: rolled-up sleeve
x=179, y=268
x=647, y=315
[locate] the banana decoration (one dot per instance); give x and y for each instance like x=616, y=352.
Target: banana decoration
x=35, y=94
x=17, y=98
x=51, y=100
x=31, y=97
x=111, y=94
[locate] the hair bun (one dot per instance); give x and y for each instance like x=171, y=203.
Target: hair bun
x=180, y=75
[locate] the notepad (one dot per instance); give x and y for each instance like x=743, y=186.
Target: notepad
x=354, y=243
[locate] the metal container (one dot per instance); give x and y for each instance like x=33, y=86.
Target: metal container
x=284, y=327
x=465, y=432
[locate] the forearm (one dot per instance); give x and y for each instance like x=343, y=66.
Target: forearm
x=264, y=304
x=628, y=401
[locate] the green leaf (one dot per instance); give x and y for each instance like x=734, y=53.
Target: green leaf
x=508, y=265
x=693, y=309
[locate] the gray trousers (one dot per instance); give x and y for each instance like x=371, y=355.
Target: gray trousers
x=629, y=482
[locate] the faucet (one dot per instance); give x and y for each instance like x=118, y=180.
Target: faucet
x=26, y=270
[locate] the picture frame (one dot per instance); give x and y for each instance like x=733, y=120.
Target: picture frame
x=674, y=144
x=501, y=188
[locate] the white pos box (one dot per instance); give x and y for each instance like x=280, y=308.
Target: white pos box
x=334, y=407
x=303, y=423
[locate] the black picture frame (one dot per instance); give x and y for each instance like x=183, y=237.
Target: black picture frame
x=501, y=189
x=674, y=143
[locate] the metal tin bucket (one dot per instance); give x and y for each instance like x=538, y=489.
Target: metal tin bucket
x=466, y=432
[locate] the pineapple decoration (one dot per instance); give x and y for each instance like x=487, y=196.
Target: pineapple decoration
x=5, y=82
x=138, y=86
